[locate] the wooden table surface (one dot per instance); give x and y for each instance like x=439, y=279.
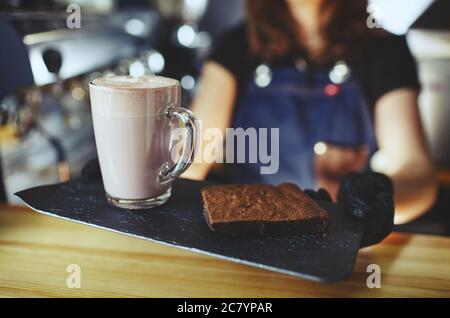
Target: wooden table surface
x=35, y=251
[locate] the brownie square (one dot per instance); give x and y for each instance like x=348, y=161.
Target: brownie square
x=259, y=209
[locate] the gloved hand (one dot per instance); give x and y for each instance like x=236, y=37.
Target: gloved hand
x=369, y=197
x=320, y=195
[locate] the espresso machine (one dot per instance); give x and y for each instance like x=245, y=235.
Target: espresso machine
x=46, y=132
x=46, y=65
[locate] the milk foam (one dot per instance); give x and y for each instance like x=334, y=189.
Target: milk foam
x=128, y=96
x=135, y=82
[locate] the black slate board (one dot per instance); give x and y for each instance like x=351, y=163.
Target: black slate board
x=180, y=223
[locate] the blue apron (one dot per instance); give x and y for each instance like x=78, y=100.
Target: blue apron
x=296, y=102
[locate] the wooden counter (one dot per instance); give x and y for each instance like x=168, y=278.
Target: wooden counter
x=35, y=251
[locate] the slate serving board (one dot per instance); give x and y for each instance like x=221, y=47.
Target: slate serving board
x=180, y=223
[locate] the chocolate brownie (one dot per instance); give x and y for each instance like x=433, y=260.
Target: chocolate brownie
x=254, y=210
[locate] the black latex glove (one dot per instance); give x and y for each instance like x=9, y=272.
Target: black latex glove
x=369, y=196
x=320, y=195
x=366, y=196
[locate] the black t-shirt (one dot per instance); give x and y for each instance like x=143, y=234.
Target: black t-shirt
x=385, y=63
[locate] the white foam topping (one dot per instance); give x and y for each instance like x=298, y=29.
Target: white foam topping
x=137, y=82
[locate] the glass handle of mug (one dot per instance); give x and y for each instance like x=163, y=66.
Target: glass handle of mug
x=190, y=123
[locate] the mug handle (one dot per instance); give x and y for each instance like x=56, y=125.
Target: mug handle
x=190, y=122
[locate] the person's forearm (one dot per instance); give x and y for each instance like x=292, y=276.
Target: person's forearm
x=197, y=171
x=415, y=190
x=213, y=105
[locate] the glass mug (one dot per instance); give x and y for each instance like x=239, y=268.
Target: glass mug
x=134, y=120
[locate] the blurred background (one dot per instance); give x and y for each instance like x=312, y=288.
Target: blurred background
x=46, y=131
